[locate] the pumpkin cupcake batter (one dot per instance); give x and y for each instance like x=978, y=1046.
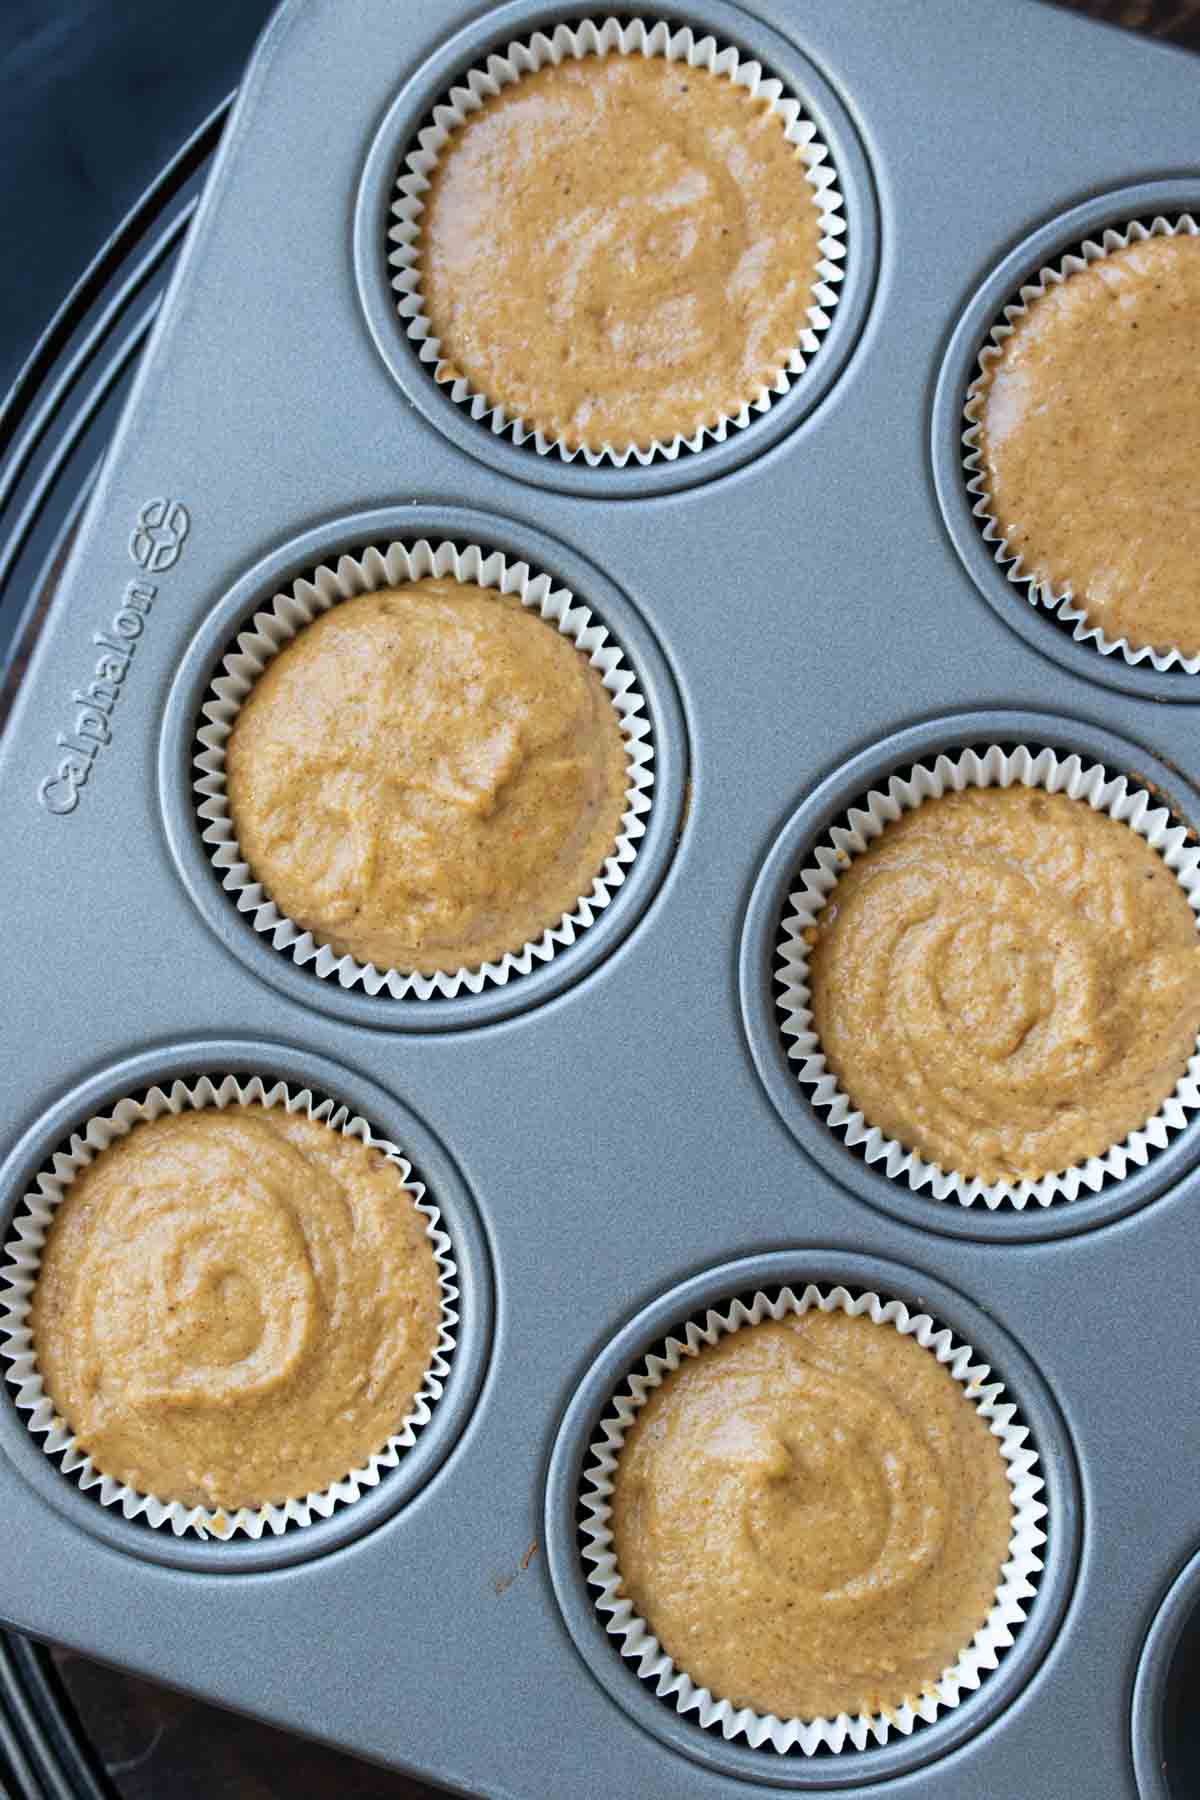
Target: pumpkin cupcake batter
x=1006, y=982
x=236, y=1307
x=618, y=250
x=1089, y=440
x=811, y=1517
x=427, y=777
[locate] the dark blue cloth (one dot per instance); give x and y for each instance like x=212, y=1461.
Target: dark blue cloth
x=95, y=95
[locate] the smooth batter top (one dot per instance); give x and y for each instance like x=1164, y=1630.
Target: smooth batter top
x=812, y=1517
x=1090, y=441
x=619, y=249
x=427, y=777
x=235, y=1308
x=1007, y=982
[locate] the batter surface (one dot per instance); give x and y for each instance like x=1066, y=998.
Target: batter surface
x=1090, y=441
x=1007, y=982
x=619, y=249
x=427, y=777
x=235, y=1308
x=812, y=1517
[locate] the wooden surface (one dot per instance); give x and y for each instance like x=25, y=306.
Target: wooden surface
x=1177, y=23
x=159, y=1746
x=156, y=1745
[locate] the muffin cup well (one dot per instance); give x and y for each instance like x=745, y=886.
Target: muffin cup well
x=639, y=37
x=1060, y=601
x=1019, y=1575
x=286, y=616
x=1116, y=795
x=17, y=1281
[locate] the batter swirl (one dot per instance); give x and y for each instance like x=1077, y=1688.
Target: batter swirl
x=1090, y=440
x=811, y=1517
x=1007, y=982
x=235, y=1308
x=428, y=776
x=619, y=250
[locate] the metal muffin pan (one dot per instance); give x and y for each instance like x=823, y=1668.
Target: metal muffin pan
x=616, y=1143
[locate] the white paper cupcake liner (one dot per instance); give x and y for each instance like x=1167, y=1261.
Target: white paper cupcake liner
x=1115, y=795
x=287, y=615
x=24, y=1253
x=639, y=37
x=1060, y=601
x=1018, y=1579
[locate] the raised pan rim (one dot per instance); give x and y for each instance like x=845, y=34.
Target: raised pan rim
x=1149, y=1687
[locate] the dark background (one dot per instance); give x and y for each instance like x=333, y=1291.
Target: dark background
x=95, y=95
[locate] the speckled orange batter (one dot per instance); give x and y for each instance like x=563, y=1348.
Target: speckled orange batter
x=1007, y=982
x=235, y=1307
x=427, y=777
x=619, y=250
x=812, y=1517
x=1090, y=439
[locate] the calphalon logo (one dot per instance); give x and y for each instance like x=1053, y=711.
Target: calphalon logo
x=158, y=535
x=155, y=544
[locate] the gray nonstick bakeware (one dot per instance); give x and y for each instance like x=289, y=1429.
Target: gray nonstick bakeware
x=614, y=1140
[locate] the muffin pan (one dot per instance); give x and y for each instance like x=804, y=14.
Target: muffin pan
x=614, y=1139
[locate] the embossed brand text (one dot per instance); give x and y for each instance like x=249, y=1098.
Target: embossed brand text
x=94, y=700
x=155, y=544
